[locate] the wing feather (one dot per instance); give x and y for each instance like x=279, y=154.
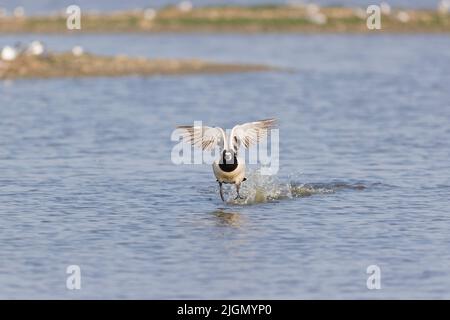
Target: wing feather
x=251, y=133
x=204, y=137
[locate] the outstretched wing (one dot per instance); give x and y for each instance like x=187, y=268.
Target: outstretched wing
x=204, y=137
x=250, y=133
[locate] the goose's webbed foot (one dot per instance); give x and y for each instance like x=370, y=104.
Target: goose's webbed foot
x=221, y=191
x=238, y=186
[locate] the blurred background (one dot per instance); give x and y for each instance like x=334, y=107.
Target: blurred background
x=46, y=6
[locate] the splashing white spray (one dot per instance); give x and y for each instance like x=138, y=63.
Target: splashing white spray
x=263, y=188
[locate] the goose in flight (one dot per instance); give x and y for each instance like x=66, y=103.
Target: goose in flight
x=229, y=168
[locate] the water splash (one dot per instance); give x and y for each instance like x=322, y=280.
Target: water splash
x=262, y=189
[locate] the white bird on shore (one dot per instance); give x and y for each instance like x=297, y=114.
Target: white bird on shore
x=359, y=12
x=8, y=53
x=19, y=12
x=385, y=8
x=149, y=14
x=403, y=16
x=77, y=51
x=318, y=18
x=185, y=6
x=444, y=6
x=312, y=9
x=229, y=169
x=35, y=48
x=296, y=3
x=314, y=14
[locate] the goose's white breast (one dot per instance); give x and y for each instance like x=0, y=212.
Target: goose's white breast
x=236, y=176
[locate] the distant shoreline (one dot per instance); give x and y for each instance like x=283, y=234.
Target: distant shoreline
x=255, y=19
x=66, y=65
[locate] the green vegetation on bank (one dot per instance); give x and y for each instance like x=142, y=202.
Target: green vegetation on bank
x=238, y=19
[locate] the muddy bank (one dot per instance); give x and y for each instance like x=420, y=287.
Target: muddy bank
x=238, y=19
x=89, y=65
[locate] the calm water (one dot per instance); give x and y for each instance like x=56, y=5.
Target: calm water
x=45, y=6
x=86, y=176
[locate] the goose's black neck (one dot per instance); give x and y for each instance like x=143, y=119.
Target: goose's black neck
x=230, y=165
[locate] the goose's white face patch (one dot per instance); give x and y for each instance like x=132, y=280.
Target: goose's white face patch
x=228, y=156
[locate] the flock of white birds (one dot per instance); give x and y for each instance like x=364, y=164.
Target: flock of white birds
x=10, y=53
x=34, y=48
x=149, y=13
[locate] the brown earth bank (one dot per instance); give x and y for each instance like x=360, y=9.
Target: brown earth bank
x=56, y=65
